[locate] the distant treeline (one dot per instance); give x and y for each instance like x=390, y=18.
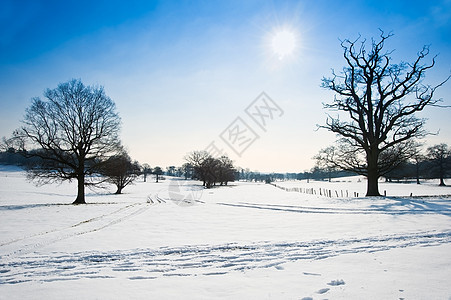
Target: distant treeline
x=408, y=171
x=426, y=169
x=315, y=174
x=13, y=157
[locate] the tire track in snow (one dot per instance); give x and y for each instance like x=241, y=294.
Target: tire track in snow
x=332, y=210
x=59, y=229
x=199, y=260
x=31, y=243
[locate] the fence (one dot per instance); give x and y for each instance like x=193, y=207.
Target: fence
x=319, y=191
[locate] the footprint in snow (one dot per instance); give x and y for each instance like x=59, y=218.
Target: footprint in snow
x=311, y=274
x=336, y=282
x=323, y=291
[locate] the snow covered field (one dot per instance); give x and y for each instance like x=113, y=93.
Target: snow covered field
x=245, y=241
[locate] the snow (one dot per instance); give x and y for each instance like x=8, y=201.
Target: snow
x=357, y=184
x=174, y=239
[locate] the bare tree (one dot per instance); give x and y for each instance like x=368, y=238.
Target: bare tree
x=187, y=170
x=348, y=157
x=211, y=170
x=440, y=156
x=226, y=170
x=197, y=160
x=325, y=161
x=146, y=170
x=380, y=99
x=417, y=158
x=170, y=171
x=73, y=129
x=157, y=171
x=120, y=170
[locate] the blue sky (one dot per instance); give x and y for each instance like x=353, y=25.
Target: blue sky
x=181, y=72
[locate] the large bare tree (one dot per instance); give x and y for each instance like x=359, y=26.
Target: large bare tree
x=380, y=100
x=72, y=130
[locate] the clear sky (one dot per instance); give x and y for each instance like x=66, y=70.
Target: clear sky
x=182, y=72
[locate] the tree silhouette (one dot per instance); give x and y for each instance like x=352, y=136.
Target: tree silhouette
x=380, y=100
x=120, y=170
x=440, y=156
x=73, y=129
x=146, y=170
x=211, y=170
x=157, y=171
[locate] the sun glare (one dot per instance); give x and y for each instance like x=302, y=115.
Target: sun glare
x=283, y=43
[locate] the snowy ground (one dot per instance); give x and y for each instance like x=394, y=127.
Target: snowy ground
x=246, y=241
x=349, y=186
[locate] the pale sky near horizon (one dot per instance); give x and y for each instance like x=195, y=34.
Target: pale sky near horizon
x=182, y=72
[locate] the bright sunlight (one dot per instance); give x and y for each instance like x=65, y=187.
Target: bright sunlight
x=283, y=43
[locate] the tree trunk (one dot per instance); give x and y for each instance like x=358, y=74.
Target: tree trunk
x=442, y=174
x=373, y=175
x=119, y=190
x=373, y=185
x=81, y=190
x=418, y=173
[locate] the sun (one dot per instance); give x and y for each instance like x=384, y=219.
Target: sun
x=283, y=43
